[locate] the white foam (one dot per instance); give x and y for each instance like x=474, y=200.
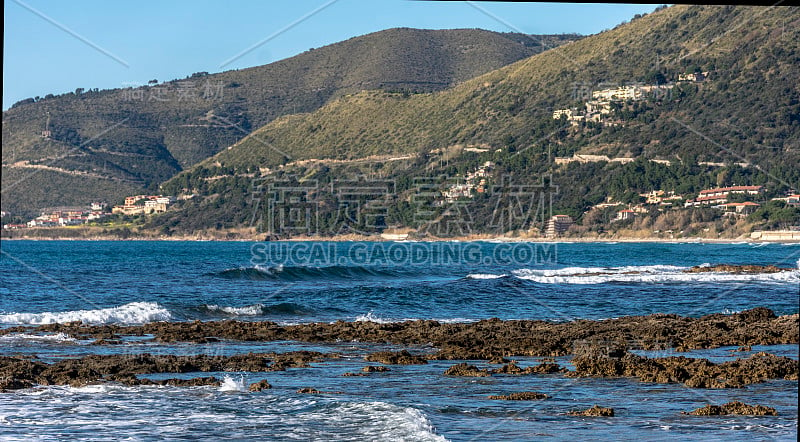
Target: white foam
x=249, y=310
x=22, y=337
x=231, y=384
x=371, y=317
x=386, y=421
x=485, y=276
x=645, y=274
x=133, y=313
x=93, y=389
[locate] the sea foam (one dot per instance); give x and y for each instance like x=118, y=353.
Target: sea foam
x=132, y=313
x=645, y=274
x=15, y=338
x=485, y=276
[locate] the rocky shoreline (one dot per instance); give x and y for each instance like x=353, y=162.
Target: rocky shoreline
x=489, y=339
x=599, y=349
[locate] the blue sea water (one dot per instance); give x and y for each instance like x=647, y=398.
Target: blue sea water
x=138, y=281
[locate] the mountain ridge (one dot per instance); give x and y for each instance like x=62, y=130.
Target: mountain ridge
x=161, y=129
x=746, y=112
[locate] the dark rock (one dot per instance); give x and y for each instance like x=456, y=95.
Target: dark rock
x=465, y=369
x=124, y=368
x=692, y=372
x=14, y=384
x=374, y=369
x=260, y=385
x=543, y=368
x=734, y=407
x=510, y=368
x=309, y=390
x=193, y=382
x=733, y=268
x=103, y=341
x=490, y=340
x=596, y=411
x=402, y=357
x=521, y=396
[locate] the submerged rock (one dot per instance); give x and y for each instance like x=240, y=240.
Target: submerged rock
x=308, y=390
x=596, y=411
x=375, y=369
x=734, y=407
x=402, y=357
x=521, y=396
x=543, y=368
x=734, y=268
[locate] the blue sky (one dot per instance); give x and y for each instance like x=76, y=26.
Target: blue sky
x=54, y=46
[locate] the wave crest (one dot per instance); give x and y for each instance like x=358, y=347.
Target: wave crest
x=284, y=308
x=132, y=313
x=485, y=276
x=645, y=274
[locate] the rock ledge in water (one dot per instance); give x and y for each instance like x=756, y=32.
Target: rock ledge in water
x=464, y=369
x=521, y=396
x=260, y=385
x=734, y=407
x=596, y=411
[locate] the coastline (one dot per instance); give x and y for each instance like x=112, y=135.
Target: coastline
x=223, y=237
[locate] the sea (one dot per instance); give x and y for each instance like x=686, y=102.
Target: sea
x=134, y=282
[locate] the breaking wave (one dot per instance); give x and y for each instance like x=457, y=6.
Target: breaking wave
x=372, y=317
x=485, y=276
x=284, y=308
x=132, y=313
x=375, y=421
x=645, y=274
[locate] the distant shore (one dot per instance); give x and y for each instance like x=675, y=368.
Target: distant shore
x=223, y=236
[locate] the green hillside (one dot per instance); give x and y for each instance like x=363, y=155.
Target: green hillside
x=751, y=100
x=141, y=136
x=747, y=111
